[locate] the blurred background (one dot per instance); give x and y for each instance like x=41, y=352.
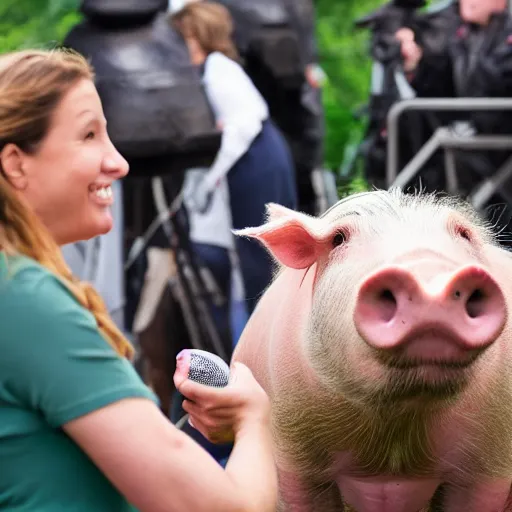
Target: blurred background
x=343, y=53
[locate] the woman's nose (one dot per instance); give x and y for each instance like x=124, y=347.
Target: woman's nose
x=115, y=164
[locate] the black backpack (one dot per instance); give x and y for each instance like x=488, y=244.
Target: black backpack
x=266, y=39
x=158, y=114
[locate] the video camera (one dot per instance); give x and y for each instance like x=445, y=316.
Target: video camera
x=388, y=82
x=384, y=23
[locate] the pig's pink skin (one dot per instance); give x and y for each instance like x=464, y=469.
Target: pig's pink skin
x=391, y=495
x=271, y=347
x=267, y=360
x=480, y=497
x=406, y=496
x=287, y=302
x=292, y=493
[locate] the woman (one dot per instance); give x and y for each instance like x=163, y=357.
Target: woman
x=78, y=429
x=253, y=153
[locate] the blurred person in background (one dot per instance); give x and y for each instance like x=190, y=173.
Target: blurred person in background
x=212, y=240
x=299, y=111
x=464, y=50
x=253, y=155
x=79, y=429
x=472, y=56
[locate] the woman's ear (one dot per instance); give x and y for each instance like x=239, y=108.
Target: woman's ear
x=11, y=163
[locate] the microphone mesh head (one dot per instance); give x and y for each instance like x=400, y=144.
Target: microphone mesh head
x=208, y=369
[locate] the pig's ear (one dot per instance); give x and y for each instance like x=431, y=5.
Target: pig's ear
x=290, y=238
x=276, y=211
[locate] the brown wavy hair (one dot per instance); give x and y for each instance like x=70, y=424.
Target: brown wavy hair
x=210, y=24
x=32, y=84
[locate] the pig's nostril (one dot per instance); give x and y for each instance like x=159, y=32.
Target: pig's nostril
x=476, y=304
x=387, y=296
x=387, y=304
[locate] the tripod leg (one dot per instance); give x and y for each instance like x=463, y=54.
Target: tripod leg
x=198, y=290
x=191, y=282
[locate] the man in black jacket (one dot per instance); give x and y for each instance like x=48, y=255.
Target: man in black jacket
x=472, y=56
x=465, y=50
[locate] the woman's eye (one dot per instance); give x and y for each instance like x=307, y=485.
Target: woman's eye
x=90, y=136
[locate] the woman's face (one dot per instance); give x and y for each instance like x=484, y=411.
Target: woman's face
x=68, y=179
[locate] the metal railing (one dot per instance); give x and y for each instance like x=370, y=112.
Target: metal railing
x=449, y=139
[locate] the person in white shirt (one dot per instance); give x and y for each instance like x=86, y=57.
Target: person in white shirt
x=254, y=155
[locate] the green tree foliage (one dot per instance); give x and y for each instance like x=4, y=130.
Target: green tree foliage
x=345, y=59
x=35, y=23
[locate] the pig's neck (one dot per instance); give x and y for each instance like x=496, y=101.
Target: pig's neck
x=393, y=441
x=336, y=436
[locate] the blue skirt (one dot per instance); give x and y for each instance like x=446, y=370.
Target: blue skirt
x=264, y=174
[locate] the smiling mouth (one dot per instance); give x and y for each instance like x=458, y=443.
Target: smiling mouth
x=103, y=193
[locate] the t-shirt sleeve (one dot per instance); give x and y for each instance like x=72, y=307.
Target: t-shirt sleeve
x=54, y=358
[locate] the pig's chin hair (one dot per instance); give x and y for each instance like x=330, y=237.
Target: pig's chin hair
x=399, y=390
x=405, y=382
x=380, y=439
x=409, y=389
x=386, y=423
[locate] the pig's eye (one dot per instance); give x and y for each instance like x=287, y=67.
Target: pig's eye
x=339, y=238
x=463, y=232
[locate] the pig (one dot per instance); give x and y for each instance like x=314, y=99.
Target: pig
x=384, y=344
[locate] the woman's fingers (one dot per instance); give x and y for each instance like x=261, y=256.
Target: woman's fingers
x=226, y=409
x=218, y=430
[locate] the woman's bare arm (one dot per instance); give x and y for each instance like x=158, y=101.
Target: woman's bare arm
x=160, y=469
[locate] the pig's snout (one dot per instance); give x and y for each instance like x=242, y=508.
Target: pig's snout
x=465, y=309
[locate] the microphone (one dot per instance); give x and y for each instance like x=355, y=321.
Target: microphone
x=208, y=369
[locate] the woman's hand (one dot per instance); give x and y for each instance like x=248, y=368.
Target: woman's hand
x=411, y=52
x=223, y=414
x=202, y=195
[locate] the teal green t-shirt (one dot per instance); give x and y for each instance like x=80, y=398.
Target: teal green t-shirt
x=54, y=367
